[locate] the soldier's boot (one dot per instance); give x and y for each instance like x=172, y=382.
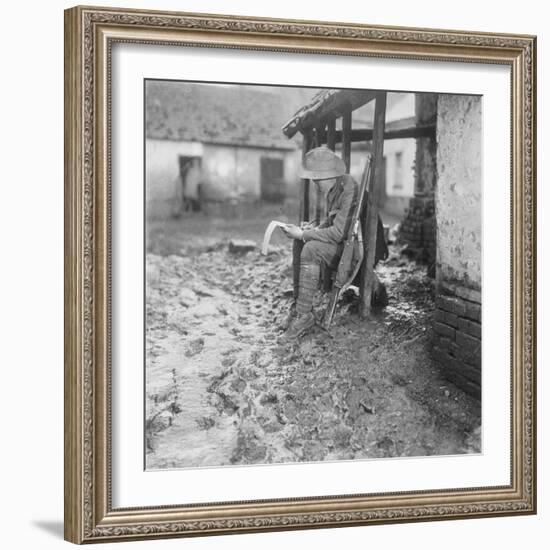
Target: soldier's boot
x=289, y=318
x=304, y=319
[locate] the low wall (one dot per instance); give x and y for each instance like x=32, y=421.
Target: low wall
x=457, y=336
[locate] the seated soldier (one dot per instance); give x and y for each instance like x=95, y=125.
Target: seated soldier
x=323, y=244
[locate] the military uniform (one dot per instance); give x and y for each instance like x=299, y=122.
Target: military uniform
x=323, y=245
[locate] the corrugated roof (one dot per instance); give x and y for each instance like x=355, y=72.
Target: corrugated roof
x=225, y=114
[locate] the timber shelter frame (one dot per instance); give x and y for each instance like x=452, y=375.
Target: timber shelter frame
x=316, y=122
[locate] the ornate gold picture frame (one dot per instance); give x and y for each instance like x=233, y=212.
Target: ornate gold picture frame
x=90, y=34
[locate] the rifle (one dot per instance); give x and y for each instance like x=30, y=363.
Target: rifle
x=353, y=247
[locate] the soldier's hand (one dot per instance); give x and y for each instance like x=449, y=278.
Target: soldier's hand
x=293, y=232
x=308, y=225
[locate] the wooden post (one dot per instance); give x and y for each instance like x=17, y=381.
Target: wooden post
x=331, y=134
x=346, y=139
x=303, y=216
x=371, y=222
x=304, y=183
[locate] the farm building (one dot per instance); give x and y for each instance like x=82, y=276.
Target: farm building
x=227, y=136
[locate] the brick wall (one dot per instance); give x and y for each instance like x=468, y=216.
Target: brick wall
x=418, y=231
x=457, y=336
x=425, y=171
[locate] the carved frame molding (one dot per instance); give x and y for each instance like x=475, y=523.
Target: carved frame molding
x=89, y=35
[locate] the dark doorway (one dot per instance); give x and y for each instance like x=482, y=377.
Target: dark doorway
x=272, y=184
x=190, y=179
x=184, y=162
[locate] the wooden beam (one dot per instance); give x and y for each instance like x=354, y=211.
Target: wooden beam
x=365, y=134
x=346, y=139
x=375, y=184
x=331, y=134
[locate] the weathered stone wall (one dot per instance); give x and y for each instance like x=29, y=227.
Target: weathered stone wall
x=458, y=197
x=457, y=322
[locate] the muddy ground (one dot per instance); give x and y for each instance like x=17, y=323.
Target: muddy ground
x=222, y=388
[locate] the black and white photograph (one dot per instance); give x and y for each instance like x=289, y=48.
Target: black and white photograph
x=313, y=274
x=300, y=275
